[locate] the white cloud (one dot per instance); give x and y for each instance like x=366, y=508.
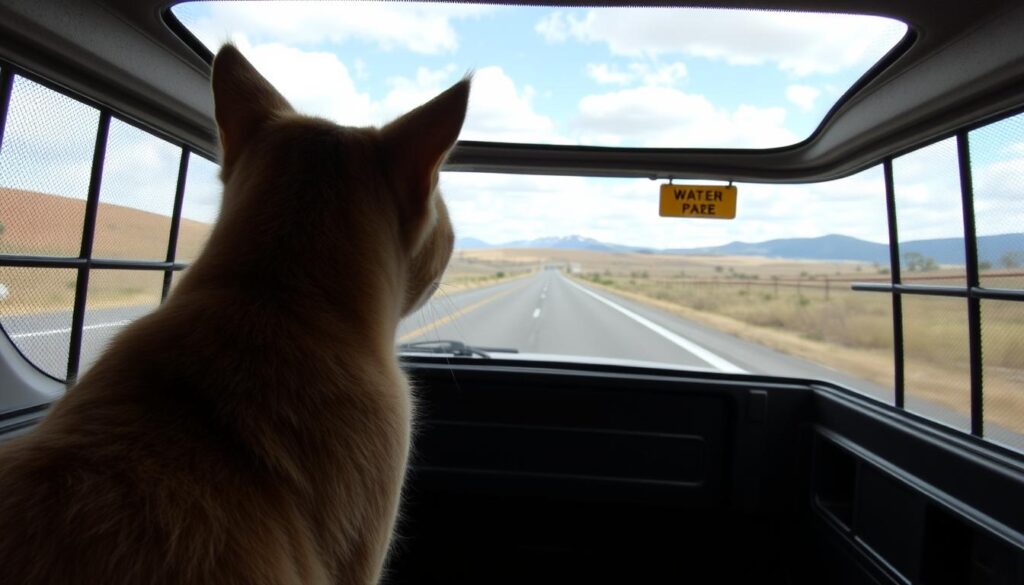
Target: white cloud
x=315, y=82
x=48, y=142
x=607, y=74
x=407, y=93
x=555, y=27
x=998, y=204
x=662, y=75
x=203, y=190
x=499, y=109
x=661, y=116
x=418, y=27
x=139, y=170
x=798, y=43
x=927, y=184
x=802, y=95
x=503, y=208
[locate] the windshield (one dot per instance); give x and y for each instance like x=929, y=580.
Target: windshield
x=654, y=77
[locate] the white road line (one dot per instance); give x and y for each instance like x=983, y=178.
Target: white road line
x=713, y=359
x=536, y=313
x=68, y=330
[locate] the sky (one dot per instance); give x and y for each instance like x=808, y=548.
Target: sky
x=627, y=77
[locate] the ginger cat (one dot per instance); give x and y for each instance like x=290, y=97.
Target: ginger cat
x=255, y=428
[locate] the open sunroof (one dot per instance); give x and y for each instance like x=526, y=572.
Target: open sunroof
x=632, y=77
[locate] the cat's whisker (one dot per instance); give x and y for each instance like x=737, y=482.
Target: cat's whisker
x=437, y=334
x=453, y=310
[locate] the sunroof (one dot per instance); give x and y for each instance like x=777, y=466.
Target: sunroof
x=637, y=77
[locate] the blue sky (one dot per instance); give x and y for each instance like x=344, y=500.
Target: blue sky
x=652, y=77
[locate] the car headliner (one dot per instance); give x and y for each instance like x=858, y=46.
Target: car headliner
x=961, y=62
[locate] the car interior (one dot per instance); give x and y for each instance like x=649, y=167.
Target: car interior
x=545, y=471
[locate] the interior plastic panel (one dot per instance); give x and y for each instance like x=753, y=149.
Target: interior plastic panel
x=555, y=473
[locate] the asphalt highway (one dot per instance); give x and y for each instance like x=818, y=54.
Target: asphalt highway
x=550, y=313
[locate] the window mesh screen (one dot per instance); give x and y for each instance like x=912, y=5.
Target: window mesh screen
x=936, y=359
x=116, y=298
x=929, y=215
x=997, y=165
x=45, y=161
x=35, y=311
x=199, y=207
x=140, y=172
x=1002, y=338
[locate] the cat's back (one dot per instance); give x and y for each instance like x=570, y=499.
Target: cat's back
x=131, y=478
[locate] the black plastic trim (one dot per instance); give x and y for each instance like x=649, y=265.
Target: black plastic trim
x=6, y=87
x=899, y=437
x=172, y=237
x=92, y=203
x=971, y=264
x=895, y=278
x=976, y=292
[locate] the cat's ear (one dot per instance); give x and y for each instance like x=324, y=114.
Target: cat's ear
x=419, y=141
x=243, y=101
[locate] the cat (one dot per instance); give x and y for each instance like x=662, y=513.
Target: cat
x=255, y=428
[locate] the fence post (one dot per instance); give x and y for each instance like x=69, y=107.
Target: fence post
x=826, y=288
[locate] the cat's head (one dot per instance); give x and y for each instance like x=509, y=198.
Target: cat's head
x=357, y=208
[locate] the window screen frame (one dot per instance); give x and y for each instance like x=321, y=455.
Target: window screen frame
x=85, y=261
x=971, y=291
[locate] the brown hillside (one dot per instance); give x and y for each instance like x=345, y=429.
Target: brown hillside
x=50, y=225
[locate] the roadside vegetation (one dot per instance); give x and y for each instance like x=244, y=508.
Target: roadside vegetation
x=807, y=309
x=467, y=271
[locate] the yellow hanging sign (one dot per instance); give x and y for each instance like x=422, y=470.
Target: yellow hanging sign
x=704, y=201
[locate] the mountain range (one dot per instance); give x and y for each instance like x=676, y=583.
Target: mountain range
x=831, y=247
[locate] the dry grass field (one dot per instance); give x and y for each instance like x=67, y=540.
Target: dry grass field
x=807, y=309
x=37, y=224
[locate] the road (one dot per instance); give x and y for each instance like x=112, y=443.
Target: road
x=44, y=338
x=549, y=313
x=544, y=313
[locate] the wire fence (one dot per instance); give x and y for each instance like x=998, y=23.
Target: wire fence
x=825, y=286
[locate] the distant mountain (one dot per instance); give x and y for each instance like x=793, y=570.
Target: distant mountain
x=830, y=247
x=951, y=250
x=837, y=247
x=573, y=242
x=471, y=244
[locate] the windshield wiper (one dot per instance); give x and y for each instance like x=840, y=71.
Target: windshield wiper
x=451, y=347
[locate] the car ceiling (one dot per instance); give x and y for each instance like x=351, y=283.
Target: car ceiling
x=961, y=62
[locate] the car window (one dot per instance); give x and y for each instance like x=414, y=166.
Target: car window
x=88, y=229
x=626, y=76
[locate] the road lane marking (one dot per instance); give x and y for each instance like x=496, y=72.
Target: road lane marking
x=453, y=316
x=68, y=330
x=712, y=359
x=536, y=313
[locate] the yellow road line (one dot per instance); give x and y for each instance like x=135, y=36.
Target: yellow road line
x=453, y=316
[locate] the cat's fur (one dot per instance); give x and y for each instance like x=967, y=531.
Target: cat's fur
x=255, y=428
